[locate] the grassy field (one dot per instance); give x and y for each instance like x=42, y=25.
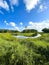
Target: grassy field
x=29, y=51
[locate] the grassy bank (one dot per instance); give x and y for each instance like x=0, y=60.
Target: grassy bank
x=29, y=51
x=26, y=34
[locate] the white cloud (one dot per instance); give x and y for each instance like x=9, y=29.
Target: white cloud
x=16, y=28
x=42, y=8
x=21, y=23
x=31, y=25
x=12, y=3
x=12, y=24
x=6, y=23
x=3, y=4
x=38, y=25
x=30, y=4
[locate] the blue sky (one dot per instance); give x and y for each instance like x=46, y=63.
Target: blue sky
x=16, y=14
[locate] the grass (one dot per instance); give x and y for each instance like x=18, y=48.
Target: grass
x=29, y=51
x=26, y=34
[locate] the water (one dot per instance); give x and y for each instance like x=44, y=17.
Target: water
x=22, y=37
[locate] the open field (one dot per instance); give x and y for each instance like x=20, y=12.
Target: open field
x=29, y=51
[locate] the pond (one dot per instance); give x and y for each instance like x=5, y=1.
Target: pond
x=21, y=37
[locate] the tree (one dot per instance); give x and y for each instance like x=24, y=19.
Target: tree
x=29, y=31
x=45, y=30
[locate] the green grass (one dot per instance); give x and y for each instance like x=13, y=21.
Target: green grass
x=29, y=51
x=26, y=34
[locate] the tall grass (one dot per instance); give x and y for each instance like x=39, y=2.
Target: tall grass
x=29, y=51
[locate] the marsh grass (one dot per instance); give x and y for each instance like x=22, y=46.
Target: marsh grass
x=29, y=51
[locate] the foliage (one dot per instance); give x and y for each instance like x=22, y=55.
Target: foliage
x=9, y=31
x=46, y=30
x=29, y=51
x=29, y=31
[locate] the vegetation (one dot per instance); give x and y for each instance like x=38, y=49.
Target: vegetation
x=45, y=30
x=14, y=51
x=25, y=34
x=29, y=30
x=9, y=31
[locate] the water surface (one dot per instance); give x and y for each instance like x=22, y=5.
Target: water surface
x=21, y=37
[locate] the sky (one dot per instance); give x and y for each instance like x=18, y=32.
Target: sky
x=18, y=14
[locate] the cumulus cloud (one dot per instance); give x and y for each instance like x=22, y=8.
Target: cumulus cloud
x=12, y=24
x=38, y=25
x=30, y=4
x=3, y=4
x=31, y=25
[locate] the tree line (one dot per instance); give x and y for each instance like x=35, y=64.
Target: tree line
x=6, y=30
x=45, y=30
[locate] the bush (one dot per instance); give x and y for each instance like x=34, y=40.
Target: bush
x=29, y=31
x=45, y=30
